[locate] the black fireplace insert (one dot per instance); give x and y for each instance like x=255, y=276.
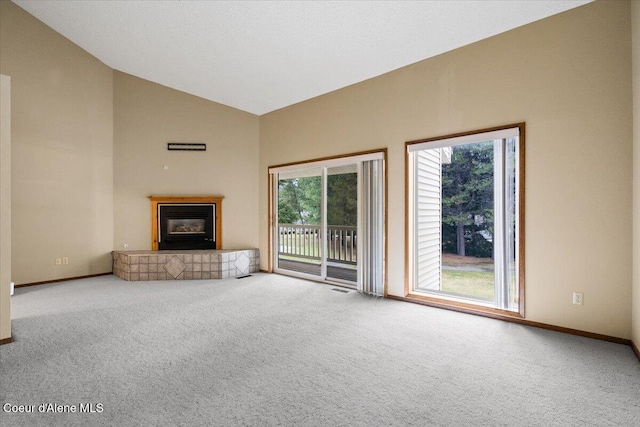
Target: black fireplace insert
x=186, y=226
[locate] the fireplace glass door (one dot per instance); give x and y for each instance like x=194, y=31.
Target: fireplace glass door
x=186, y=226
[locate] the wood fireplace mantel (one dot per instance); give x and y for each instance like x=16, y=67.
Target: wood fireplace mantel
x=156, y=200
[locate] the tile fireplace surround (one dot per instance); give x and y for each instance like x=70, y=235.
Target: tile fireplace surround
x=184, y=265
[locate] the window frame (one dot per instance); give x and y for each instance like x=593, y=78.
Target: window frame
x=452, y=302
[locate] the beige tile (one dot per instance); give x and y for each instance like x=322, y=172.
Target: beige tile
x=197, y=275
x=206, y=275
x=188, y=258
x=135, y=276
x=242, y=263
x=188, y=275
x=162, y=259
x=153, y=268
x=197, y=258
x=206, y=258
x=153, y=276
x=134, y=268
x=144, y=268
x=197, y=267
x=144, y=260
x=144, y=276
x=174, y=267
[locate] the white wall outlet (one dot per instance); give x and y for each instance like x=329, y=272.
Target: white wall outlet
x=58, y=261
x=65, y=260
x=578, y=298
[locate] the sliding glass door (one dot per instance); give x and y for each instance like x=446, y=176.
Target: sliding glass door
x=318, y=214
x=317, y=231
x=299, y=221
x=342, y=223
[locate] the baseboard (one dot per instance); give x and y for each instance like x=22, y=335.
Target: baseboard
x=635, y=349
x=525, y=322
x=61, y=280
x=6, y=341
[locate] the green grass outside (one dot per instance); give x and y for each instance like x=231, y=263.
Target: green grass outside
x=470, y=283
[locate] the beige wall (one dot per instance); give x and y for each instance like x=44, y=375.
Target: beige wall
x=62, y=134
x=568, y=77
x=147, y=117
x=635, y=19
x=89, y=145
x=5, y=207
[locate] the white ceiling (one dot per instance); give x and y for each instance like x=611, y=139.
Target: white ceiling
x=259, y=56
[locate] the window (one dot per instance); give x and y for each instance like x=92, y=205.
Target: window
x=464, y=214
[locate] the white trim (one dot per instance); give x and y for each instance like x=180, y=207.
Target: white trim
x=324, y=248
x=379, y=155
x=360, y=228
x=500, y=245
x=466, y=139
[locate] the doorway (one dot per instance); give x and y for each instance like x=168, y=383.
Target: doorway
x=328, y=221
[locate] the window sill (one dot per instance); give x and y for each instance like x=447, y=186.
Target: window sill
x=459, y=306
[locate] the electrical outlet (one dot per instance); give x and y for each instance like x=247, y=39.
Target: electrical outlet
x=65, y=260
x=578, y=298
x=58, y=261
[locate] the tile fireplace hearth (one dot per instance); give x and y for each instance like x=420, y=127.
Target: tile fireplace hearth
x=185, y=265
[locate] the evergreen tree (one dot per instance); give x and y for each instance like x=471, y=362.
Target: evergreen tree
x=467, y=198
x=289, y=209
x=299, y=200
x=342, y=199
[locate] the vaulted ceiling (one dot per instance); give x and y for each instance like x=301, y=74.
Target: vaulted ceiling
x=259, y=56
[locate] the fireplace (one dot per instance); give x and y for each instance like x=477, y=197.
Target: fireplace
x=187, y=226
x=180, y=223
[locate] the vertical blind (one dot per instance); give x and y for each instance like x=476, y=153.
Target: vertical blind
x=372, y=280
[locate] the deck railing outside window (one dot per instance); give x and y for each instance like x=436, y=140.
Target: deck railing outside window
x=304, y=241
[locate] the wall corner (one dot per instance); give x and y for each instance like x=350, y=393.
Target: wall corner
x=5, y=209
